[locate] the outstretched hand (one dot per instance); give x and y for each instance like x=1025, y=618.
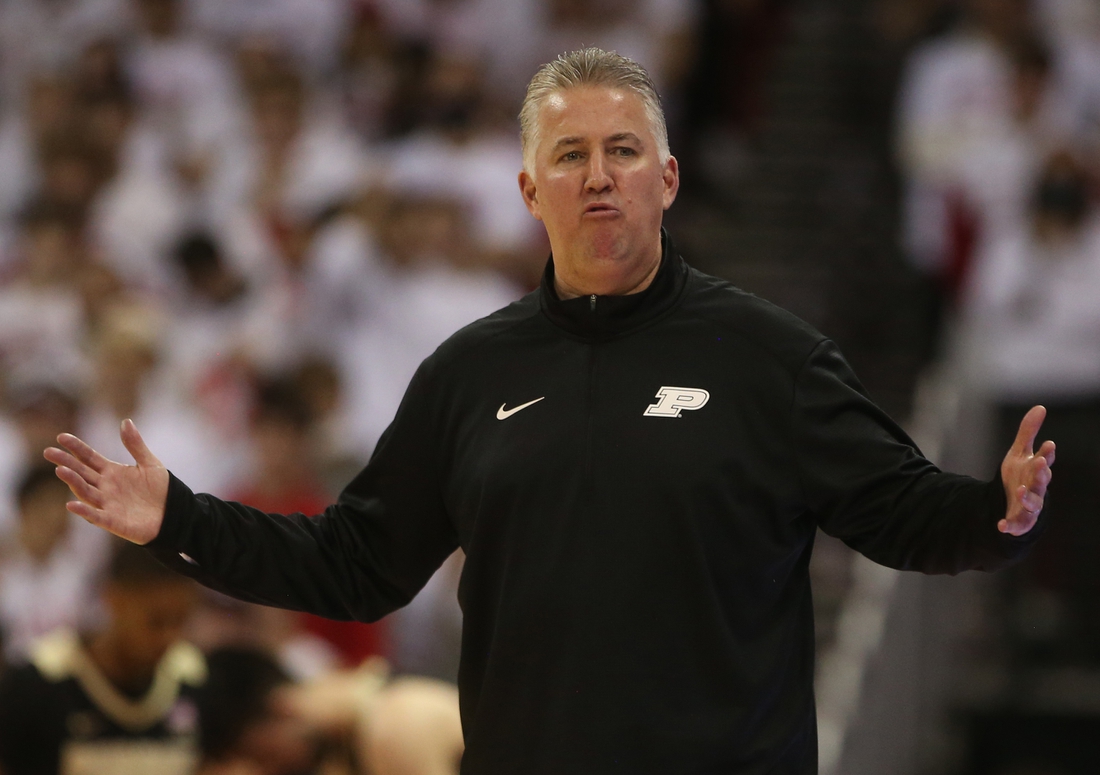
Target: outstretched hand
x=125, y=500
x=1026, y=474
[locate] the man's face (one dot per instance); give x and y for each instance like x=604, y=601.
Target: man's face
x=148, y=619
x=598, y=183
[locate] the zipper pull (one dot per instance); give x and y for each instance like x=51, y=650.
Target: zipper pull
x=592, y=302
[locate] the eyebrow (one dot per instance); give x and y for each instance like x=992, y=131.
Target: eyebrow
x=616, y=138
x=568, y=141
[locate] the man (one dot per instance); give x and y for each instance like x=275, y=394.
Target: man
x=635, y=459
x=117, y=700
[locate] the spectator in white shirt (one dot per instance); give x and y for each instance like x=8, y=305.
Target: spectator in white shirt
x=35, y=34
x=205, y=347
x=298, y=158
x=130, y=381
x=462, y=153
x=39, y=406
x=994, y=176
x=954, y=87
x=434, y=285
x=49, y=572
x=140, y=208
x=1031, y=306
x=310, y=29
x=185, y=84
x=41, y=308
x=44, y=109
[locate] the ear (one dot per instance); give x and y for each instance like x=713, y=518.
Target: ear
x=527, y=190
x=671, y=176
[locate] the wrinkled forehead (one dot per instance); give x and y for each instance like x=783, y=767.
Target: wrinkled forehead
x=592, y=113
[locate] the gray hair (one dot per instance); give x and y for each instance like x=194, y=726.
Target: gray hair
x=589, y=67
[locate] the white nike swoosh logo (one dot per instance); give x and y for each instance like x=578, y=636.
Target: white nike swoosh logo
x=503, y=414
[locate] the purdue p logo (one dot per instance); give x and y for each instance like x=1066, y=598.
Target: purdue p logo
x=673, y=400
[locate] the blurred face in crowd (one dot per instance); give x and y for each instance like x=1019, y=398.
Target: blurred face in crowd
x=281, y=445
x=108, y=122
x=49, y=104
x=280, y=742
x=277, y=114
x=600, y=188
x=70, y=176
x=591, y=13
x=99, y=69
x=1029, y=85
x=320, y=385
x=421, y=229
x=258, y=59
x=100, y=290
x=159, y=17
x=453, y=96
x=122, y=364
x=1061, y=200
x=442, y=229
x=50, y=250
x=1003, y=19
x=43, y=520
x=44, y=414
x=146, y=619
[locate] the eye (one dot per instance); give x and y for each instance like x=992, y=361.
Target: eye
x=624, y=151
x=571, y=156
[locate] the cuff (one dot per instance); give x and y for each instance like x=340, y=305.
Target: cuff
x=173, y=528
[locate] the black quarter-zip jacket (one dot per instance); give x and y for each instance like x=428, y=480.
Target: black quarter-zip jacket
x=636, y=482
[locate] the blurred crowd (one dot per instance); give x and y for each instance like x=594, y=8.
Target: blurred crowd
x=243, y=224
x=998, y=135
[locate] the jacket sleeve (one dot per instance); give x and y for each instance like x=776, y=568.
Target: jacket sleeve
x=365, y=556
x=869, y=485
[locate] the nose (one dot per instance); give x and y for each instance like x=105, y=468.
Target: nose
x=598, y=180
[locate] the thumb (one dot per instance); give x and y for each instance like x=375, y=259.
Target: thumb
x=1029, y=429
x=135, y=445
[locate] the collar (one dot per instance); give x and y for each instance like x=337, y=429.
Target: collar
x=604, y=317
x=60, y=656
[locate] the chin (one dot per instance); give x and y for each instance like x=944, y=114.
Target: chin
x=608, y=244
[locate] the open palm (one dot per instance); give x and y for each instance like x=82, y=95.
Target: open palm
x=122, y=499
x=1026, y=475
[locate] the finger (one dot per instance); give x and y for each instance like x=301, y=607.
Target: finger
x=60, y=457
x=1047, y=452
x=1039, y=476
x=79, y=487
x=93, y=516
x=135, y=445
x=1022, y=514
x=1031, y=502
x=1017, y=526
x=85, y=512
x=1029, y=429
x=83, y=452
